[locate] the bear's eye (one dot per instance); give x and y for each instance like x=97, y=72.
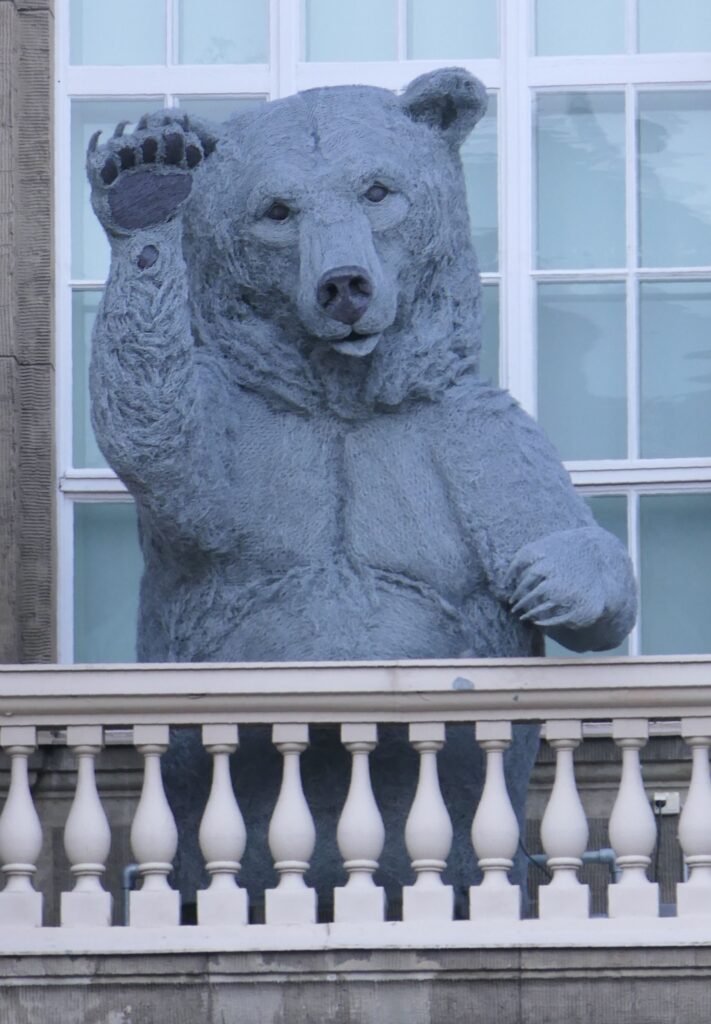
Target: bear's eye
x=376, y=193
x=278, y=211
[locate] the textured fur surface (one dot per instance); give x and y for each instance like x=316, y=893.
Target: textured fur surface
x=284, y=374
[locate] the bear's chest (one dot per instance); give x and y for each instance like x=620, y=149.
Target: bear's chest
x=315, y=490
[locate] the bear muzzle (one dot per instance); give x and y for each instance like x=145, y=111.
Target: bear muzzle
x=345, y=293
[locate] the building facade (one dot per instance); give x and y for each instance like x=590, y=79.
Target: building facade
x=591, y=213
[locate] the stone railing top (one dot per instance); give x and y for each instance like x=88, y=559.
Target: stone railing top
x=510, y=689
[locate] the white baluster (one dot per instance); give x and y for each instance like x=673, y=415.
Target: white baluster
x=154, y=837
x=564, y=830
x=495, y=831
x=360, y=834
x=20, y=834
x=694, y=897
x=632, y=829
x=87, y=837
x=223, y=836
x=428, y=833
x=292, y=835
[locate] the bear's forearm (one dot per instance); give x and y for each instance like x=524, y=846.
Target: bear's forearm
x=142, y=374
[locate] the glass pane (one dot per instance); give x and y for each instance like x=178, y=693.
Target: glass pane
x=361, y=31
x=489, y=362
x=675, y=369
x=105, y=32
x=480, y=164
x=580, y=151
x=579, y=27
x=84, y=307
x=675, y=183
x=675, y=573
x=223, y=32
x=666, y=27
x=107, y=572
x=582, y=395
x=90, y=250
x=610, y=511
x=452, y=28
x=219, y=108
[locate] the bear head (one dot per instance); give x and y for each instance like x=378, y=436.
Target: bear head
x=328, y=245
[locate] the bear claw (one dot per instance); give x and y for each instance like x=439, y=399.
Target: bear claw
x=166, y=141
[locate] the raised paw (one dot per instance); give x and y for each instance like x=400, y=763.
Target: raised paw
x=142, y=179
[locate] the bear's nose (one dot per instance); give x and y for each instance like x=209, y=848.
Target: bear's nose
x=345, y=293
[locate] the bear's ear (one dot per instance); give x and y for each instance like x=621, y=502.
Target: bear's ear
x=449, y=100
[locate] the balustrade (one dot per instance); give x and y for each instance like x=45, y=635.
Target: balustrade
x=360, y=831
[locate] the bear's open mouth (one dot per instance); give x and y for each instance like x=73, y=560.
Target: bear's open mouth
x=356, y=344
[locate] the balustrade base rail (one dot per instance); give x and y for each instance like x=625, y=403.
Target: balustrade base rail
x=597, y=933
x=80, y=703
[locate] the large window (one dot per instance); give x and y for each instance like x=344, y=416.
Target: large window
x=590, y=198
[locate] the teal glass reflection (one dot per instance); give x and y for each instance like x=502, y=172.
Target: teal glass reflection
x=452, y=29
x=366, y=30
x=577, y=27
x=489, y=361
x=105, y=32
x=107, y=572
x=223, y=32
x=675, y=368
x=684, y=25
x=610, y=511
x=675, y=178
x=675, y=573
x=85, y=449
x=480, y=164
x=219, y=108
x=580, y=166
x=90, y=250
x=582, y=393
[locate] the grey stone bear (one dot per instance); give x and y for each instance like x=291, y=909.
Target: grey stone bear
x=284, y=374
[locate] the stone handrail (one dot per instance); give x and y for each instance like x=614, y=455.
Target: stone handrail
x=83, y=701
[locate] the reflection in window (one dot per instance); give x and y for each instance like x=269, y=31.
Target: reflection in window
x=666, y=27
x=675, y=358
x=675, y=573
x=579, y=27
x=582, y=369
x=675, y=178
x=480, y=164
x=580, y=166
x=107, y=570
x=105, y=32
x=366, y=30
x=84, y=306
x=219, y=108
x=223, y=32
x=452, y=29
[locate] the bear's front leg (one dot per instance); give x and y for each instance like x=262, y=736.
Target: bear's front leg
x=577, y=586
x=143, y=378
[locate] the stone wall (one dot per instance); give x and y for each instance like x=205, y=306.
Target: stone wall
x=27, y=476
x=427, y=986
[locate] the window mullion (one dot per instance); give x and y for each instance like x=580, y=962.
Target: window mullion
x=518, y=357
x=631, y=193
x=633, y=542
x=286, y=34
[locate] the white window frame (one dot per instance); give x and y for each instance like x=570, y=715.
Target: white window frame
x=516, y=76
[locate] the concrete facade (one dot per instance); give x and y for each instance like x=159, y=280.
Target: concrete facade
x=516, y=986
x=27, y=475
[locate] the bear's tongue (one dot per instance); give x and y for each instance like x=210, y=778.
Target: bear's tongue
x=356, y=344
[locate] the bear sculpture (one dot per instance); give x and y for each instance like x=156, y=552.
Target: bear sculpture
x=284, y=374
